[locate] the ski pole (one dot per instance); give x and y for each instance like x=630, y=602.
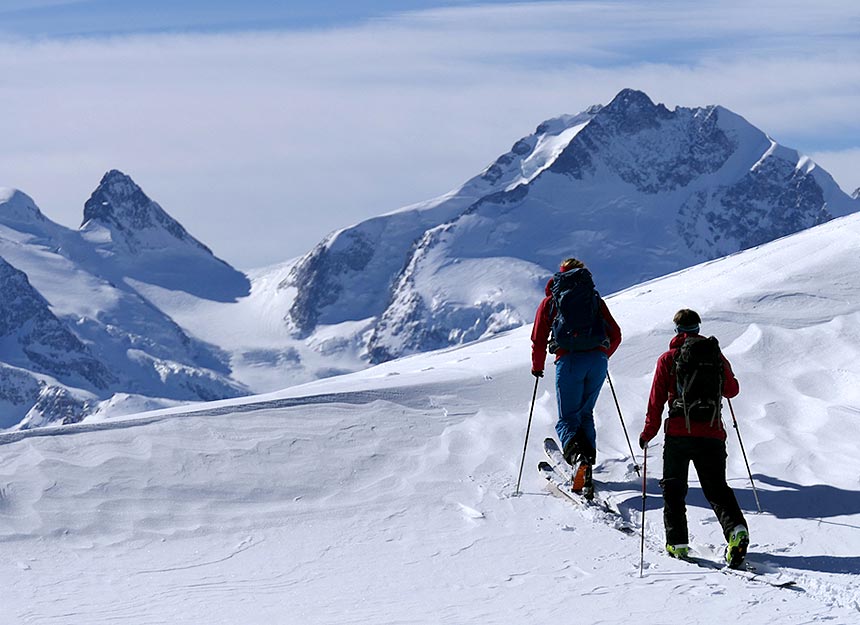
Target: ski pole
x=526, y=444
x=644, y=495
x=624, y=427
x=743, y=451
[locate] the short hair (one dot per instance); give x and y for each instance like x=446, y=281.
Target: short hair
x=686, y=318
x=571, y=263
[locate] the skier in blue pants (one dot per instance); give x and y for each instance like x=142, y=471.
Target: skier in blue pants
x=575, y=324
x=579, y=376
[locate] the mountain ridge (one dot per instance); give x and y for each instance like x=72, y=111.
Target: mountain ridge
x=686, y=185
x=634, y=189
x=121, y=206
x=99, y=337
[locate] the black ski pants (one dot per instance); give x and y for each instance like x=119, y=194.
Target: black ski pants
x=708, y=456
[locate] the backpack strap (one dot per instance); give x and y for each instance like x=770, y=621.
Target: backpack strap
x=681, y=390
x=684, y=398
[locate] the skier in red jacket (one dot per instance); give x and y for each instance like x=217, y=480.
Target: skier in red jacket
x=579, y=376
x=698, y=439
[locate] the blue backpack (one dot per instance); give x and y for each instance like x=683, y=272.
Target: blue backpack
x=578, y=325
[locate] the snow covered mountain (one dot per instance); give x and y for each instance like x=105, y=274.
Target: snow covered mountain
x=387, y=496
x=77, y=334
x=143, y=243
x=632, y=188
x=37, y=346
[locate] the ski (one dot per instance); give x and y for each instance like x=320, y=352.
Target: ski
x=557, y=460
x=555, y=456
x=748, y=570
x=559, y=475
x=561, y=485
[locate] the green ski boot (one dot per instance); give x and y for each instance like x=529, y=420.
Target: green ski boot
x=736, y=550
x=678, y=551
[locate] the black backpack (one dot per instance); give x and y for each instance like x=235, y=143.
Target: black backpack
x=578, y=325
x=699, y=374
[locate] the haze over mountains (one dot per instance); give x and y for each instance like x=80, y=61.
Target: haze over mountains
x=131, y=311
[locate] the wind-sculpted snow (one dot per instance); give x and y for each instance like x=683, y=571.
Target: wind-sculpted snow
x=395, y=485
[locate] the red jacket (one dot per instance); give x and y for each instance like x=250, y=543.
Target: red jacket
x=543, y=326
x=664, y=389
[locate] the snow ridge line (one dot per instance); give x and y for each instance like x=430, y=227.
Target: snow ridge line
x=408, y=396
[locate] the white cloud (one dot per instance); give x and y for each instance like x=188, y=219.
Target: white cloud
x=261, y=143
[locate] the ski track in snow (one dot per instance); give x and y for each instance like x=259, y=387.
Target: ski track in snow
x=349, y=556
x=387, y=496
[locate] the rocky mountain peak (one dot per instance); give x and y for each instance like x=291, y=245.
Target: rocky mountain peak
x=119, y=204
x=630, y=100
x=632, y=111
x=647, y=145
x=633, y=187
x=145, y=243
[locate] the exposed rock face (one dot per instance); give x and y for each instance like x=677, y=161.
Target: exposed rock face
x=122, y=224
x=768, y=202
x=76, y=326
x=632, y=188
x=43, y=342
x=136, y=221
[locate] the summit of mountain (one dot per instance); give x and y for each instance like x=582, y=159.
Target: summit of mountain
x=632, y=188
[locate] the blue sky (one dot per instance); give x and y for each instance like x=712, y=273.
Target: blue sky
x=298, y=118
x=64, y=18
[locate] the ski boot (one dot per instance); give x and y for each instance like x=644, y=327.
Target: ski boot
x=588, y=485
x=571, y=452
x=736, y=550
x=681, y=552
x=582, y=483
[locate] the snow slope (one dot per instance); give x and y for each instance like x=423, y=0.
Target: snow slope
x=386, y=496
x=109, y=348
x=632, y=188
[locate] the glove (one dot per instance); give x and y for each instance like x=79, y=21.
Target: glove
x=537, y=374
x=642, y=442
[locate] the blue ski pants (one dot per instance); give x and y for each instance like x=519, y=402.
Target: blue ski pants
x=579, y=376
